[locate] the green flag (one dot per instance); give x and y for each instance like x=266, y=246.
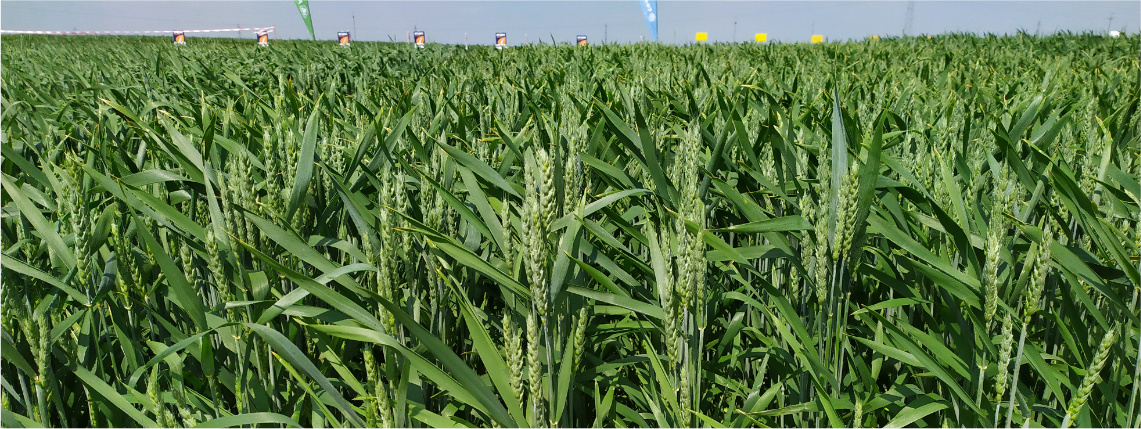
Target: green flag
x=303, y=7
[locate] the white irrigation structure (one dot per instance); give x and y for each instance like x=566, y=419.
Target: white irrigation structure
x=142, y=32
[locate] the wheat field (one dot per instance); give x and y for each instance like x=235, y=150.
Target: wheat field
x=923, y=232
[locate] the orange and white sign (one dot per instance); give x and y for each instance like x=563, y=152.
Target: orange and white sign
x=500, y=40
x=179, y=38
x=343, y=38
x=419, y=38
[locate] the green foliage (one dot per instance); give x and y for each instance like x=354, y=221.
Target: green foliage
x=847, y=234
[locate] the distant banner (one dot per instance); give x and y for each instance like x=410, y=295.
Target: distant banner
x=650, y=11
x=419, y=38
x=63, y=33
x=343, y=38
x=581, y=40
x=500, y=40
x=179, y=38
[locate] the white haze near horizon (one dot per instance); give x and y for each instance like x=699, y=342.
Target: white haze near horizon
x=614, y=21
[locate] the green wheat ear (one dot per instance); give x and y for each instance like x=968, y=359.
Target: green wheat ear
x=513, y=345
x=1092, y=376
x=1038, y=277
x=1006, y=344
x=995, y=241
x=535, y=374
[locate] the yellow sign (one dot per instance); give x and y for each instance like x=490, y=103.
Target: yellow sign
x=761, y=37
x=817, y=38
x=873, y=37
x=701, y=37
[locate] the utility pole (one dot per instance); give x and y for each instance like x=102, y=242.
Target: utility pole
x=355, y=24
x=1110, y=26
x=239, y=31
x=734, y=31
x=605, y=29
x=910, y=17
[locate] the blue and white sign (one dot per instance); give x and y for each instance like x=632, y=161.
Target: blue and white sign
x=650, y=10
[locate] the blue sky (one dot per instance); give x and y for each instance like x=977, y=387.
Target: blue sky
x=448, y=21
